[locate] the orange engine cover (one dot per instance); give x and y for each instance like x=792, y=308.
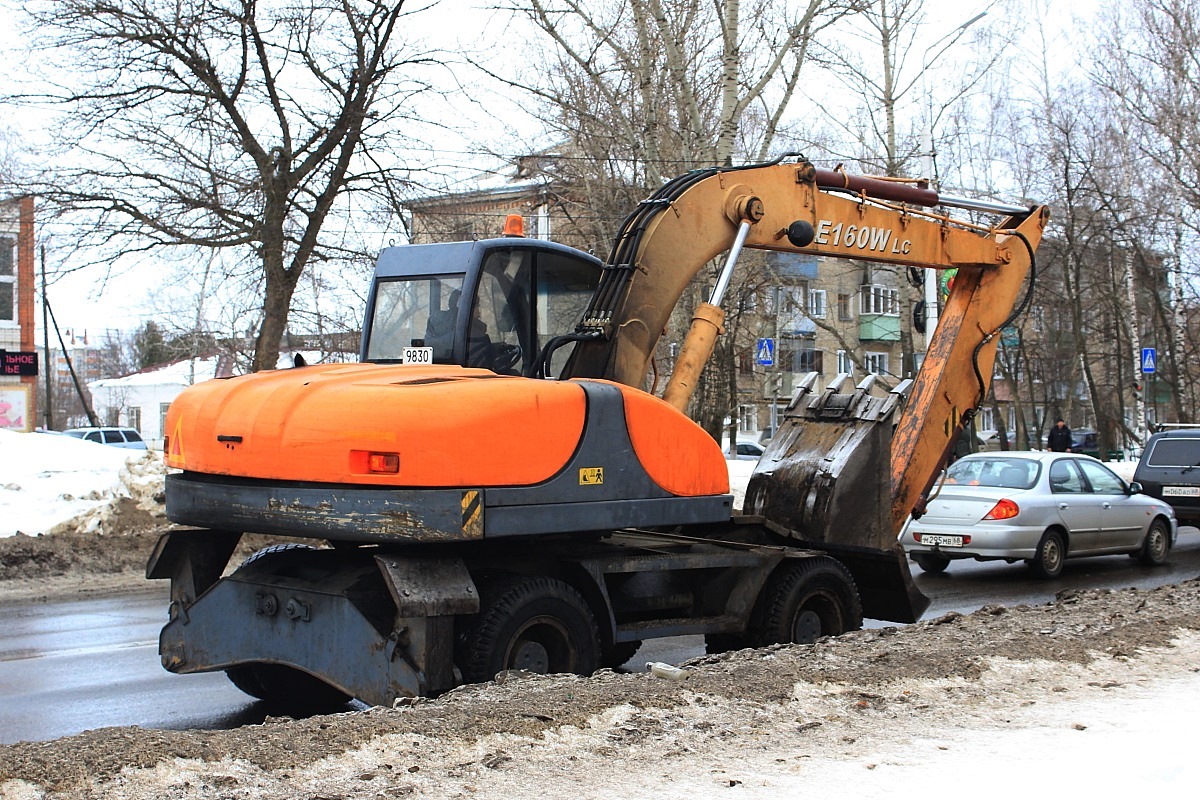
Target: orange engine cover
x=446, y=426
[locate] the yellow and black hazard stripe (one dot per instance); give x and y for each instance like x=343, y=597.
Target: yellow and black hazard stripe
x=472, y=514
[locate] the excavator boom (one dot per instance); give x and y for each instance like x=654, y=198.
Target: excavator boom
x=797, y=208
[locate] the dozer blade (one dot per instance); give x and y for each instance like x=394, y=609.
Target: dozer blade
x=825, y=476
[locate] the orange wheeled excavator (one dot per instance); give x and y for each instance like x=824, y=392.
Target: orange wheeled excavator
x=493, y=489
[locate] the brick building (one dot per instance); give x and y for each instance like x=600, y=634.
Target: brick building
x=18, y=398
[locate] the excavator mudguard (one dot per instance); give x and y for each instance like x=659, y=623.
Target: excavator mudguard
x=825, y=477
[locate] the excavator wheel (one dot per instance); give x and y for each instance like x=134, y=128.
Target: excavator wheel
x=286, y=686
x=276, y=683
x=724, y=642
x=537, y=624
x=805, y=600
x=619, y=653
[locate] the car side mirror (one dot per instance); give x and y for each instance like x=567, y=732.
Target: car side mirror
x=1135, y=487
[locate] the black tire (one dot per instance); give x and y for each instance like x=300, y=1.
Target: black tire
x=931, y=562
x=1050, y=557
x=805, y=600
x=620, y=653
x=538, y=624
x=286, y=686
x=724, y=642
x=1157, y=545
x=279, y=684
x=273, y=553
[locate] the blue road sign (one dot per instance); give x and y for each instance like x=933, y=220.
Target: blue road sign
x=764, y=353
x=1149, y=360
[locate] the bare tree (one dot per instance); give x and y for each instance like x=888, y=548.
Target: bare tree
x=639, y=91
x=1149, y=71
x=887, y=72
x=230, y=124
x=635, y=92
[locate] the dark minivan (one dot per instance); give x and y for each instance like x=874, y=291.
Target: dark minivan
x=1170, y=470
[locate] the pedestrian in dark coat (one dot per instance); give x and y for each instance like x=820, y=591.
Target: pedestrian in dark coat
x=1059, y=439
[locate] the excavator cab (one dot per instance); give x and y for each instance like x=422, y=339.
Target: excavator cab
x=492, y=303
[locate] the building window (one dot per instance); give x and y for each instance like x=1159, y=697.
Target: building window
x=7, y=245
x=134, y=415
x=8, y=281
x=8, y=305
x=745, y=361
x=816, y=303
x=799, y=355
x=876, y=363
x=844, y=310
x=747, y=419
x=845, y=363
x=163, y=408
x=881, y=300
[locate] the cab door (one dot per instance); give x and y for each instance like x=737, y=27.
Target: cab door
x=528, y=294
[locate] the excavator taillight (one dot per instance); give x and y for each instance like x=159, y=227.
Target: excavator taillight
x=1005, y=509
x=514, y=225
x=383, y=462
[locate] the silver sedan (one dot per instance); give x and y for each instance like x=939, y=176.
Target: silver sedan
x=1041, y=508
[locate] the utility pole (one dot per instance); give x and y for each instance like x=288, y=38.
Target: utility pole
x=47, y=375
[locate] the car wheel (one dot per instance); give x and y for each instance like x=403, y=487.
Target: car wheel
x=931, y=562
x=1157, y=544
x=1051, y=553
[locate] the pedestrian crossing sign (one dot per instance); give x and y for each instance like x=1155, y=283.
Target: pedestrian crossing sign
x=1149, y=357
x=764, y=353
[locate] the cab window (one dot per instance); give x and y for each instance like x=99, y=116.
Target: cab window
x=415, y=312
x=525, y=299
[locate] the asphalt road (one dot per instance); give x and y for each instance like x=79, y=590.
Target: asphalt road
x=70, y=667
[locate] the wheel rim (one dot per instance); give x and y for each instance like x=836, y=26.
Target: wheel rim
x=542, y=645
x=530, y=656
x=807, y=628
x=817, y=616
x=1158, y=543
x=1052, y=555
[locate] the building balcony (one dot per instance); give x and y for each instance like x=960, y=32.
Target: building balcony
x=878, y=328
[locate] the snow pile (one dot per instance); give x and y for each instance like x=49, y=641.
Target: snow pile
x=739, y=476
x=54, y=483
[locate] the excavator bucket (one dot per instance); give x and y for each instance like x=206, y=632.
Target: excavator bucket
x=825, y=477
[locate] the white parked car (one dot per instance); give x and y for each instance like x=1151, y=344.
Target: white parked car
x=114, y=437
x=1041, y=508
x=749, y=451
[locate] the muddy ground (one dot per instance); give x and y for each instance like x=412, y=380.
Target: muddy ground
x=756, y=721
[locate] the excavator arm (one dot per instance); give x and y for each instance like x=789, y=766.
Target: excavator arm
x=797, y=208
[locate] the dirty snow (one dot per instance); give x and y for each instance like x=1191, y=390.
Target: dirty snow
x=993, y=703
x=49, y=482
